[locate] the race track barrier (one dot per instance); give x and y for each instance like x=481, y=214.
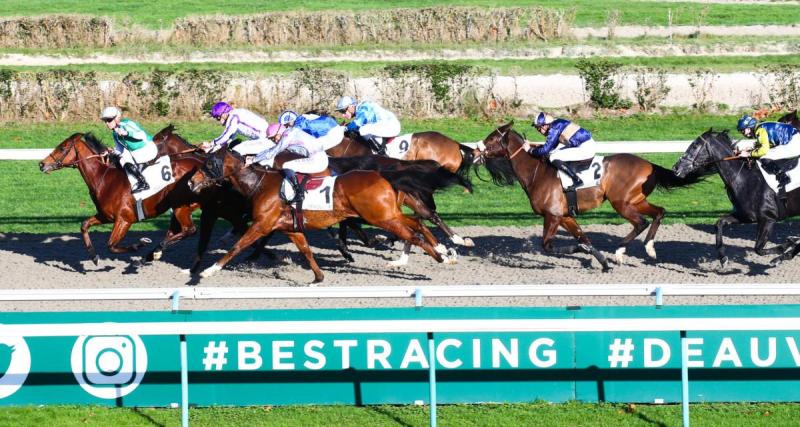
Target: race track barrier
x=582, y=331
x=610, y=147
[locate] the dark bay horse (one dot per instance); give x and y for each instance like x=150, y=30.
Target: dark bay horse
x=626, y=183
x=363, y=194
x=753, y=200
x=447, y=152
x=792, y=119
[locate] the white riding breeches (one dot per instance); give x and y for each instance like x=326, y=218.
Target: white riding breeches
x=254, y=146
x=585, y=151
x=332, y=138
x=785, y=151
x=314, y=163
x=142, y=155
x=385, y=129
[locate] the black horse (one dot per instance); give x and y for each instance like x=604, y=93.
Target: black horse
x=753, y=200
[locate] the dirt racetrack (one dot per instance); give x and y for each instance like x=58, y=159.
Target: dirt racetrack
x=503, y=255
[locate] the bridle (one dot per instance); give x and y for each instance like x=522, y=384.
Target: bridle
x=705, y=142
x=72, y=147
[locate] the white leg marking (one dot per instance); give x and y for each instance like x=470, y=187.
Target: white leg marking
x=381, y=238
x=457, y=240
x=452, y=257
x=403, y=260
x=208, y=272
x=620, y=255
x=650, y=248
x=441, y=249
x=157, y=255
x=469, y=243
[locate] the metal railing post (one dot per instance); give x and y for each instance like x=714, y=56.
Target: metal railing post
x=685, y=379
x=432, y=377
x=176, y=297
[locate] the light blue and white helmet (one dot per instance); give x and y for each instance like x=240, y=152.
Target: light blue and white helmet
x=345, y=102
x=110, y=113
x=287, y=117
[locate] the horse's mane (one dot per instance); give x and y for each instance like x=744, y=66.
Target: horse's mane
x=93, y=142
x=500, y=168
x=170, y=130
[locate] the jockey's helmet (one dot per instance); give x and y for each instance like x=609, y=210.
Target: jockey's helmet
x=110, y=113
x=746, y=122
x=219, y=109
x=275, y=130
x=345, y=102
x=542, y=119
x=287, y=117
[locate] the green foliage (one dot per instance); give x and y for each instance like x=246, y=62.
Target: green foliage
x=442, y=76
x=600, y=81
x=784, y=92
x=323, y=85
x=651, y=87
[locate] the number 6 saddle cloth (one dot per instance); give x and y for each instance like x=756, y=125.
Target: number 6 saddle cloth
x=158, y=175
x=590, y=173
x=318, y=194
x=398, y=147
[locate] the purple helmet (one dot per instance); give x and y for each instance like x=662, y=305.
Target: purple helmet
x=219, y=109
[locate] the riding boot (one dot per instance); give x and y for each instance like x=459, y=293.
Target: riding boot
x=298, y=191
x=141, y=184
x=576, y=180
x=379, y=147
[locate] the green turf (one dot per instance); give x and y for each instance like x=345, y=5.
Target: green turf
x=59, y=201
x=524, y=414
x=719, y=64
x=161, y=14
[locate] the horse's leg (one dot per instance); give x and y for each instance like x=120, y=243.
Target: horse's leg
x=657, y=213
x=549, y=230
x=121, y=227
x=398, y=227
x=341, y=243
x=183, y=217
x=300, y=241
x=261, y=248
x=250, y=236
x=208, y=218
x=417, y=225
x=87, y=241
x=572, y=226
x=721, y=223
x=762, y=238
x=425, y=207
x=634, y=215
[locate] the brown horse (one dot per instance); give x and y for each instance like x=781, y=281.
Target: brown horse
x=449, y=153
x=362, y=194
x=626, y=183
x=792, y=119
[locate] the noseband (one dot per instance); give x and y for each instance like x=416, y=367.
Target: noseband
x=72, y=147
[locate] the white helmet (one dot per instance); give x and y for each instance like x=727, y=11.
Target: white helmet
x=345, y=102
x=110, y=113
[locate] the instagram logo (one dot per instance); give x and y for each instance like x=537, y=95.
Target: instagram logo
x=109, y=367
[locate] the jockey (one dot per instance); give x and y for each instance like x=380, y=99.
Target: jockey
x=772, y=141
x=372, y=121
x=132, y=145
x=238, y=121
x=323, y=127
x=295, y=140
x=565, y=142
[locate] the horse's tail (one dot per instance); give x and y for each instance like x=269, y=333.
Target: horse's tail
x=667, y=180
x=424, y=181
x=467, y=159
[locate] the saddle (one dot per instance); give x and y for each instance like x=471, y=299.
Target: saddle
x=580, y=165
x=305, y=183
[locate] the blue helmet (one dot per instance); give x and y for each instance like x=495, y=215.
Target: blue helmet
x=345, y=102
x=287, y=117
x=542, y=119
x=746, y=122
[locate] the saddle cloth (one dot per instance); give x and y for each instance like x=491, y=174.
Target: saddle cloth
x=398, y=147
x=793, y=174
x=158, y=175
x=318, y=192
x=590, y=175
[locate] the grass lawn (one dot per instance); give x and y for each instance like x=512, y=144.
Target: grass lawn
x=159, y=14
x=527, y=414
x=57, y=202
x=506, y=67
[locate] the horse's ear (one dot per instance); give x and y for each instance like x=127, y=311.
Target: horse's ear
x=711, y=129
x=506, y=127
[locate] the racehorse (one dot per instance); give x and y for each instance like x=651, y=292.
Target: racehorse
x=447, y=152
x=753, y=200
x=110, y=191
x=362, y=194
x=626, y=183
x=792, y=119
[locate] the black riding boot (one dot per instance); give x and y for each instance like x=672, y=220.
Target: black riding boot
x=379, y=147
x=298, y=192
x=576, y=181
x=141, y=184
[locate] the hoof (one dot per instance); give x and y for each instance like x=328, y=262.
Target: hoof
x=440, y=249
x=317, y=280
x=649, y=247
x=723, y=262
x=208, y=272
x=619, y=255
x=469, y=243
x=403, y=260
x=380, y=238
x=451, y=257
x=96, y=260
x=607, y=268
x=456, y=239
x=157, y=255
x=348, y=258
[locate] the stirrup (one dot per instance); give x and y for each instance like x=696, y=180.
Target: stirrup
x=140, y=187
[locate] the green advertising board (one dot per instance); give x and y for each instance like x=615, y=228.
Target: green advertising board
x=372, y=368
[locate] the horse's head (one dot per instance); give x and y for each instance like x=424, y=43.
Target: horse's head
x=67, y=153
x=495, y=144
x=218, y=167
x=708, y=149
